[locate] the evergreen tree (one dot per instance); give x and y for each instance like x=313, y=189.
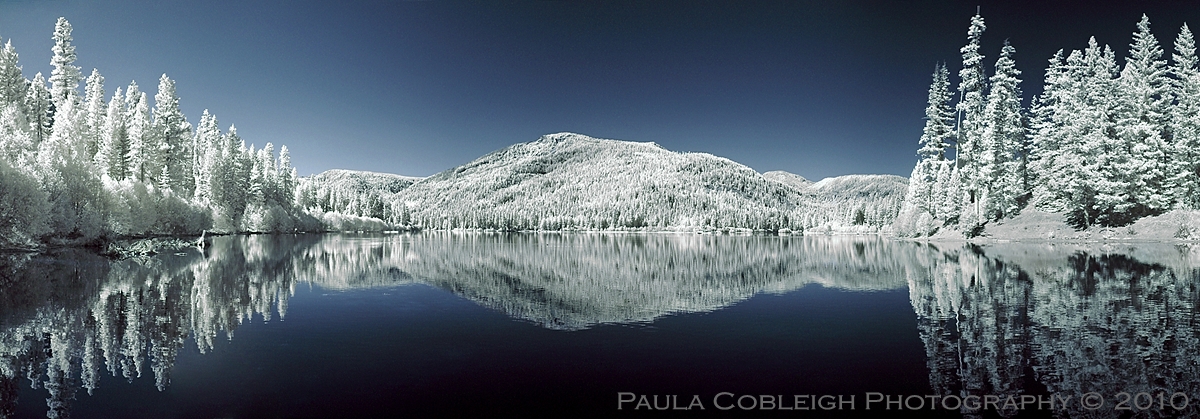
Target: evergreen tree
x=173, y=133
x=970, y=108
x=64, y=79
x=12, y=84
x=231, y=182
x=143, y=149
x=1091, y=165
x=939, y=119
x=1048, y=111
x=1142, y=125
x=65, y=145
x=95, y=111
x=936, y=137
x=937, y=192
x=38, y=109
x=1185, y=121
x=208, y=146
x=951, y=209
x=287, y=178
x=113, y=152
x=16, y=141
x=1003, y=136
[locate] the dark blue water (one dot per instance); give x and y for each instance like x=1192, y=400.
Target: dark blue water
x=616, y=325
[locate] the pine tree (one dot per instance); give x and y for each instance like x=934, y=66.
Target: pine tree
x=939, y=119
x=1048, y=111
x=951, y=209
x=970, y=108
x=114, y=141
x=937, y=192
x=1185, y=121
x=1091, y=165
x=16, y=141
x=231, y=181
x=287, y=178
x=12, y=84
x=208, y=146
x=65, y=145
x=95, y=111
x=173, y=133
x=1003, y=136
x=936, y=137
x=142, y=148
x=1142, y=124
x=38, y=109
x=64, y=79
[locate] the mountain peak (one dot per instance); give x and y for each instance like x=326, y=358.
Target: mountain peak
x=564, y=136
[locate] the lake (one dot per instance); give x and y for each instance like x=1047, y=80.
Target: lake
x=437, y=324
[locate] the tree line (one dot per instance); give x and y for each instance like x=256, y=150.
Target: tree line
x=1103, y=144
x=76, y=168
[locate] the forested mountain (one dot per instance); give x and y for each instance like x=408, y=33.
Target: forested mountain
x=366, y=194
x=855, y=200
x=1103, y=144
x=82, y=167
x=570, y=181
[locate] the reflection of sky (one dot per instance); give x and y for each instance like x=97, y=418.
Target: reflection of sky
x=473, y=332
x=424, y=352
x=421, y=86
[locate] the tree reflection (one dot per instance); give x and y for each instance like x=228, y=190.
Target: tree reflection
x=1064, y=321
x=1000, y=320
x=70, y=316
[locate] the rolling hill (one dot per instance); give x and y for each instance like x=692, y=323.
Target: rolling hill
x=569, y=181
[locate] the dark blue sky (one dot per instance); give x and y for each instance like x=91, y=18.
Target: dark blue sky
x=416, y=87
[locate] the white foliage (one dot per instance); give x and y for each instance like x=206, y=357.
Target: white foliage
x=23, y=208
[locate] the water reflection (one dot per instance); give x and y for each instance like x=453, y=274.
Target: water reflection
x=1000, y=320
x=1063, y=321
x=70, y=316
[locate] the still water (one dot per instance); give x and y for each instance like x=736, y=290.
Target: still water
x=439, y=324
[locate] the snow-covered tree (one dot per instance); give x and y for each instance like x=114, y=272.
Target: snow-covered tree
x=939, y=118
x=231, y=182
x=1143, y=106
x=173, y=133
x=38, y=109
x=208, y=145
x=286, y=180
x=95, y=112
x=1046, y=117
x=23, y=207
x=112, y=156
x=64, y=79
x=971, y=89
x=77, y=200
x=1185, y=121
x=1001, y=140
x=16, y=141
x=12, y=83
x=935, y=138
x=144, y=152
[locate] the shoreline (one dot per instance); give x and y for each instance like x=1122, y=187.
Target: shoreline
x=1037, y=227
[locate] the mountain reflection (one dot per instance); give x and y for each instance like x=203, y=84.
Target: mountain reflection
x=1063, y=321
x=70, y=316
x=1002, y=320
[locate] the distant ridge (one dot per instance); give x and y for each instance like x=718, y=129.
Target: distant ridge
x=788, y=178
x=569, y=181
